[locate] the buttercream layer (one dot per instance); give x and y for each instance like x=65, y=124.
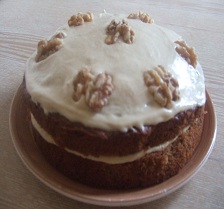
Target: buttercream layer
x=50, y=81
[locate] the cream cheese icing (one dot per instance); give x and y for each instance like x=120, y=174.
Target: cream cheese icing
x=50, y=81
x=106, y=159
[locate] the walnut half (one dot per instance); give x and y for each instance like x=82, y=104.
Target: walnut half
x=162, y=86
x=81, y=82
x=97, y=94
x=187, y=53
x=118, y=30
x=80, y=18
x=96, y=89
x=126, y=33
x=46, y=48
x=144, y=17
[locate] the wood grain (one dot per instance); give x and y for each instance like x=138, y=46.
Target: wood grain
x=23, y=23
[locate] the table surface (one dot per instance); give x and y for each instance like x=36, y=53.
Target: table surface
x=23, y=23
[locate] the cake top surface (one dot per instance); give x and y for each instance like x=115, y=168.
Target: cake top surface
x=115, y=72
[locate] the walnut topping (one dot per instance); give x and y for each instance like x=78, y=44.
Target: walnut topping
x=162, y=86
x=80, y=18
x=187, y=53
x=115, y=30
x=46, y=48
x=98, y=93
x=111, y=39
x=95, y=89
x=112, y=28
x=88, y=17
x=133, y=16
x=126, y=33
x=81, y=83
x=60, y=35
x=144, y=17
x=75, y=20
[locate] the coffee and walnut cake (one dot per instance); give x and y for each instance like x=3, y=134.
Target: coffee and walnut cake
x=115, y=101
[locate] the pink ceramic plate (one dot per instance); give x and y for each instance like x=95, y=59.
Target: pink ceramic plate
x=36, y=163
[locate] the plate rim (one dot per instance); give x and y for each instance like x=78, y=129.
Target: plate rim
x=115, y=199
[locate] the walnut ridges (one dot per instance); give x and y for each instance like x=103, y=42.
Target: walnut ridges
x=97, y=94
x=96, y=89
x=81, y=83
x=115, y=30
x=144, y=17
x=186, y=52
x=46, y=48
x=162, y=86
x=80, y=18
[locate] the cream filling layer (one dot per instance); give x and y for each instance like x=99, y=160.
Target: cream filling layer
x=106, y=159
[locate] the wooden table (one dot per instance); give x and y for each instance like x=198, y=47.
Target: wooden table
x=23, y=23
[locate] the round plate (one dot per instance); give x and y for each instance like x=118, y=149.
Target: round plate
x=35, y=162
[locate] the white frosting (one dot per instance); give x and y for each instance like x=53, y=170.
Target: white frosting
x=101, y=158
x=50, y=82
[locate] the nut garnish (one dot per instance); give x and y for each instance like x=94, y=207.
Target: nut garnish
x=80, y=18
x=81, y=83
x=95, y=89
x=144, y=17
x=60, y=35
x=97, y=94
x=126, y=33
x=75, y=20
x=88, y=17
x=187, y=53
x=162, y=86
x=112, y=28
x=118, y=30
x=46, y=48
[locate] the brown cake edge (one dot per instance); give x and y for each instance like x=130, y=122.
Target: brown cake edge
x=93, y=141
x=149, y=170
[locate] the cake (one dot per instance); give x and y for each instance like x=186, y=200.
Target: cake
x=115, y=101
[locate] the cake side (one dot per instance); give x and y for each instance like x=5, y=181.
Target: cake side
x=96, y=142
x=149, y=170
